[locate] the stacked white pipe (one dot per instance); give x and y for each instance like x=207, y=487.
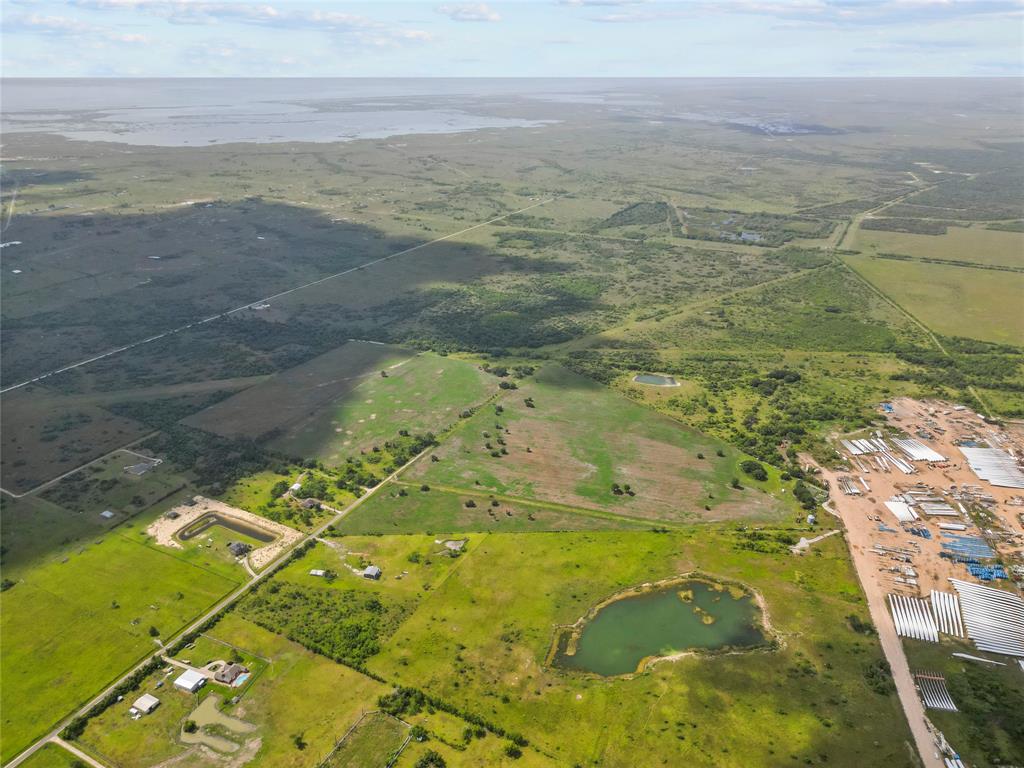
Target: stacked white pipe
x=946, y=607
x=993, y=618
x=913, y=618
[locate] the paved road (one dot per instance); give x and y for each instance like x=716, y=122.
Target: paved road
x=54, y=735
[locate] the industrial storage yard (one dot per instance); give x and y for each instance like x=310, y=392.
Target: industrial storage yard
x=933, y=505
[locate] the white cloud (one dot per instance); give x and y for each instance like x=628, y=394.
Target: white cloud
x=812, y=12
x=64, y=26
x=469, y=12
x=357, y=28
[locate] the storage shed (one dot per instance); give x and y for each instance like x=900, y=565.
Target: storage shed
x=191, y=680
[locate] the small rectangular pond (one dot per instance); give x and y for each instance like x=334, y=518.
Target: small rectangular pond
x=623, y=635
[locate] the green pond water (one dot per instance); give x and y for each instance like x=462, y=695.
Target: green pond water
x=661, y=623
x=655, y=380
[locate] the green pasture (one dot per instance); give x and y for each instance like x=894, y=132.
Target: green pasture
x=953, y=301
x=489, y=751
x=577, y=440
x=424, y=393
x=293, y=396
x=52, y=756
x=371, y=744
x=974, y=244
x=71, y=626
x=410, y=565
x=444, y=510
x=480, y=641
x=296, y=693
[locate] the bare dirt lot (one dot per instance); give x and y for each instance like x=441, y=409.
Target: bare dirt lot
x=165, y=529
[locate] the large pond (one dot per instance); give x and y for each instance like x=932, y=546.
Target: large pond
x=210, y=520
x=655, y=380
x=689, y=615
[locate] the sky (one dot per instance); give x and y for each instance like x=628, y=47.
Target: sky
x=523, y=38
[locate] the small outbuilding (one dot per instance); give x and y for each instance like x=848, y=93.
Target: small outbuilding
x=146, y=703
x=191, y=680
x=295, y=487
x=371, y=572
x=107, y=514
x=318, y=572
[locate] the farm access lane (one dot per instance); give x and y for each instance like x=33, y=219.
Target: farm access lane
x=78, y=753
x=272, y=567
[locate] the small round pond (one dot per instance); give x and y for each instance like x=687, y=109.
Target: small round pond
x=626, y=633
x=655, y=380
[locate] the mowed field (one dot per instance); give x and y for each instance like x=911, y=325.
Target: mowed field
x=973, y=244
x=579, y=438
x=424, y=393
x=480, y=639
x=953, y=301
x=73, y=624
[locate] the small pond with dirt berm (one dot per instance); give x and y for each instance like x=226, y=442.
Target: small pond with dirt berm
x=656, y=380
x=212, y=519
x=627, y=632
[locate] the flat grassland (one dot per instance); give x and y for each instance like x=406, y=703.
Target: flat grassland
x=479, y=640
x=975, y=244
x=371, y=744
x=447, y=511
x=576, y=440
x=52, y=756
x=72, y=625
x=423, y=393
x=951, y=300
x=272, y=407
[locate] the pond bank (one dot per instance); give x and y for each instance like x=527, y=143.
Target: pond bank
x=669, y=619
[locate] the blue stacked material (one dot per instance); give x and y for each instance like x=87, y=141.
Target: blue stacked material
x=885, y=528
x=959, y=558
x=924, y=533
x=987, y=573
x=971, y=546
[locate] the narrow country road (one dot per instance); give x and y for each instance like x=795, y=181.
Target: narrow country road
x=54, y=735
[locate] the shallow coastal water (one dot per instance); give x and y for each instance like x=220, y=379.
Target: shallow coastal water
x=174, y=113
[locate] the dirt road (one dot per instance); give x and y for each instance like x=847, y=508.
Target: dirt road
x=857, y=535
